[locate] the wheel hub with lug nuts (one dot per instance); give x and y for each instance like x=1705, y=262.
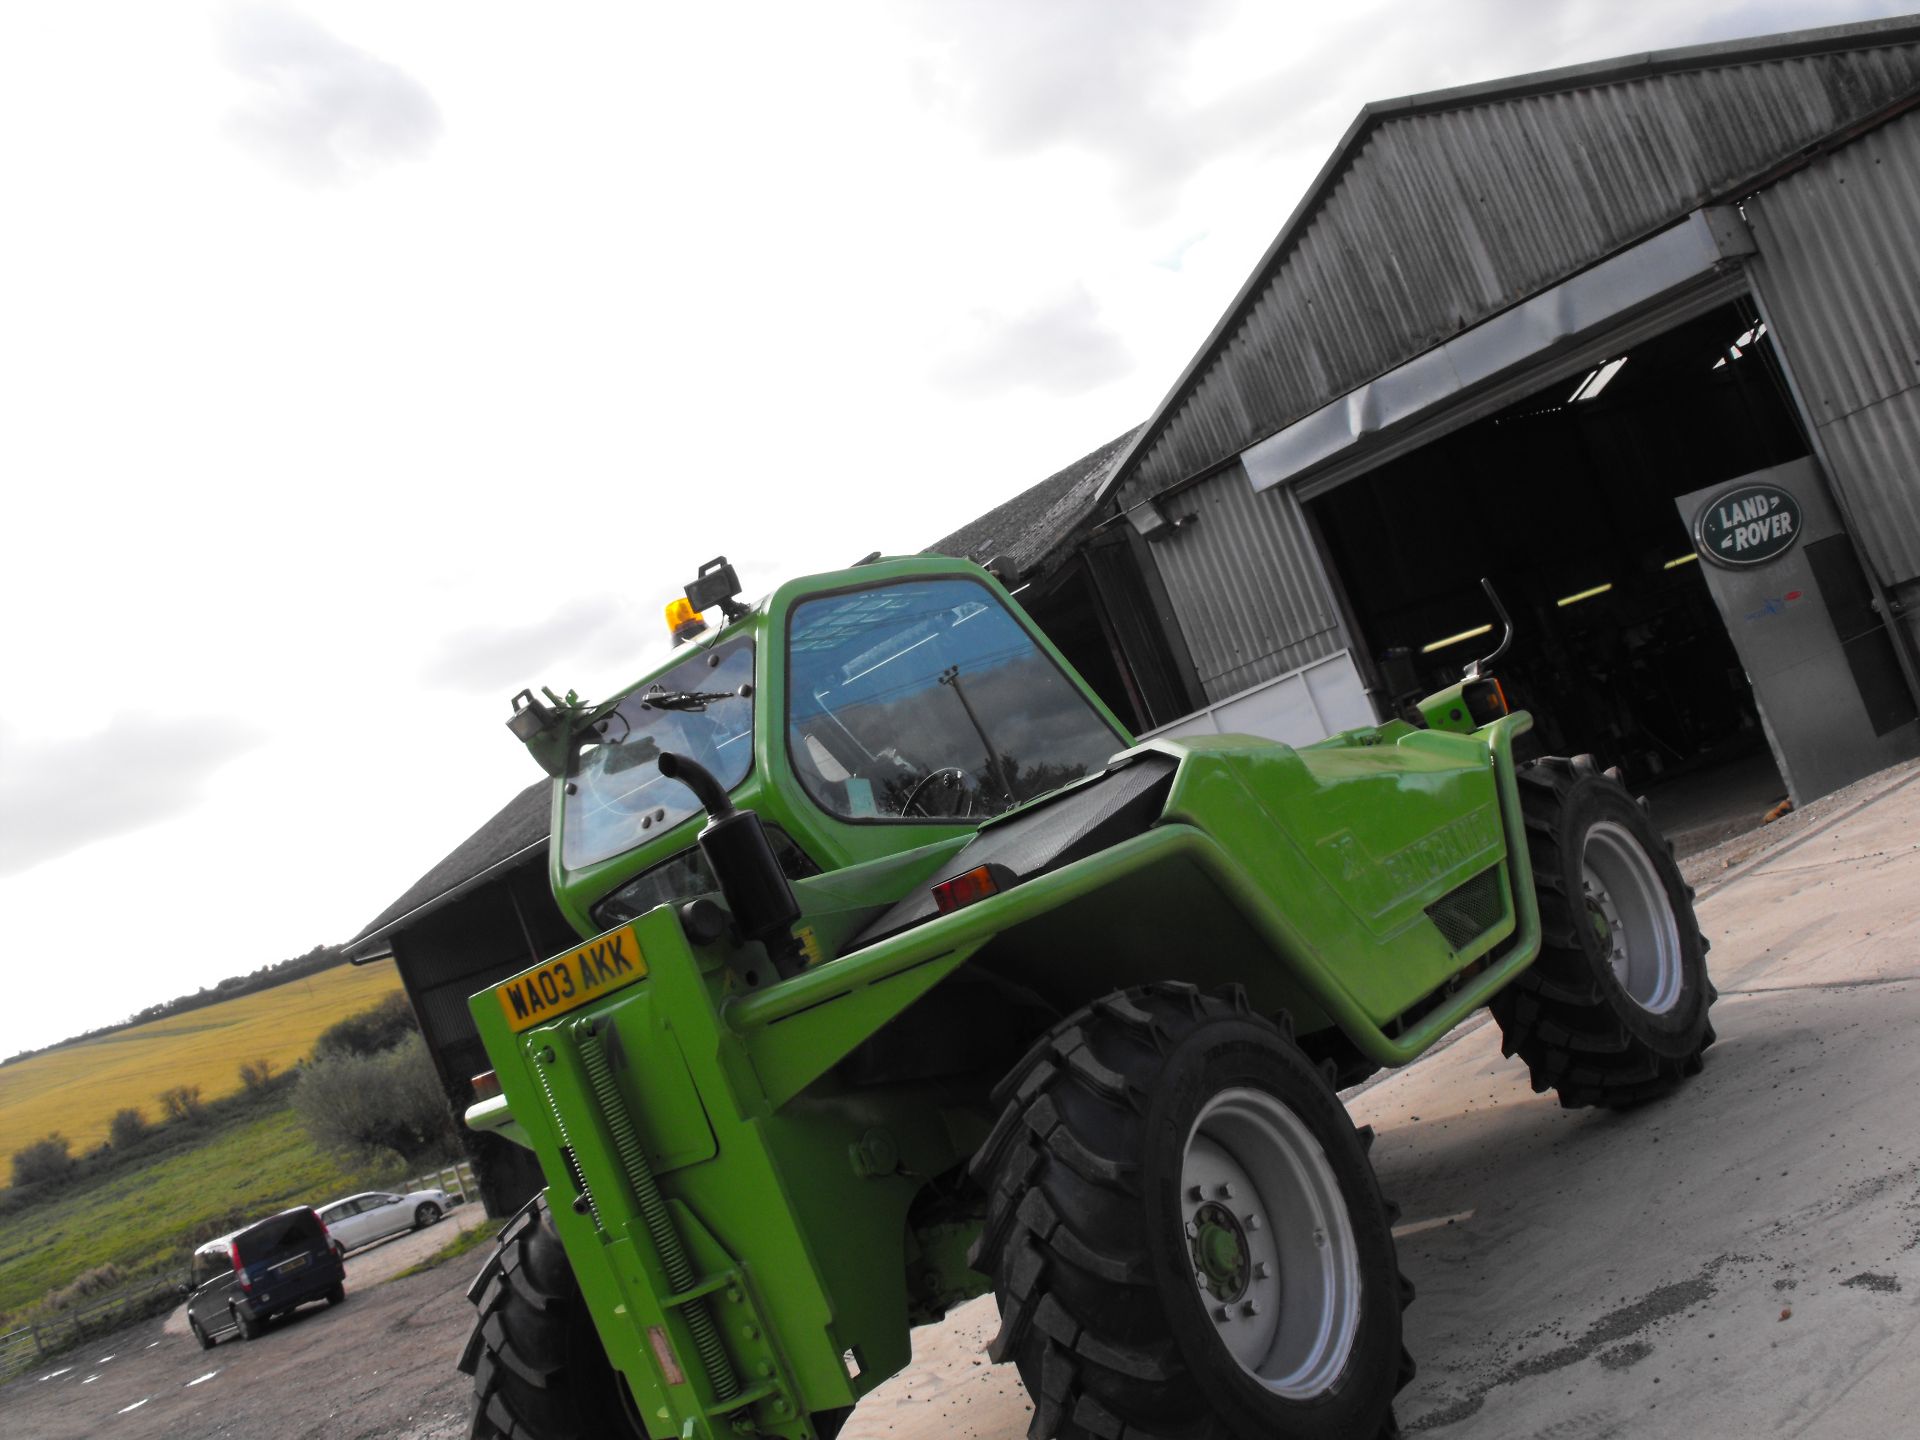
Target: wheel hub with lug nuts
x=1260, y=1203
x=1632, y=920
x=1220, y=1259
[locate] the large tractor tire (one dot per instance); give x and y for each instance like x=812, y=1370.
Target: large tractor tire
x=1614, y=1011
x=1184, y=1233
x=539, y=1370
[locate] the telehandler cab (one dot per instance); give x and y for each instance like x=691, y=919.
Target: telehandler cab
x=906, y=975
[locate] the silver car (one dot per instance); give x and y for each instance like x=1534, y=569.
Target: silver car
x=372, y=1215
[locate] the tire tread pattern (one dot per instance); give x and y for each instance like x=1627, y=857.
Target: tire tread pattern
x=1079, y=1312
x=1557, y=1016
x=528, y=1352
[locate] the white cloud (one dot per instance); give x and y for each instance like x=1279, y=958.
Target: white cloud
x=318, y=110
x=501, y=658
x=1106, y=80
x=1061, y=346
x=62, y=794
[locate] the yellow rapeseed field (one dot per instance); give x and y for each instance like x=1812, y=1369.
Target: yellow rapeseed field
x=77, y=1090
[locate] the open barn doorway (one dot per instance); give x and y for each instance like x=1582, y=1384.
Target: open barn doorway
x=1565, y=500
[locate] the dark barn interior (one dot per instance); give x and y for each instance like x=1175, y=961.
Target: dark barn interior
x=1566, y=504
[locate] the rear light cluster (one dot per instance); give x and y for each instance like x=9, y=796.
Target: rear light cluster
x=972, y=885
x=240, y=1266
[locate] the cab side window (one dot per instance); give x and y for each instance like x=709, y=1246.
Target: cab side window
x=928, y=700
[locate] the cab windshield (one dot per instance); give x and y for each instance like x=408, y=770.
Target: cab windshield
x=928, y=700
x=617, y=797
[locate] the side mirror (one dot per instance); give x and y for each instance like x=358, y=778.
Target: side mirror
x=185, y=1287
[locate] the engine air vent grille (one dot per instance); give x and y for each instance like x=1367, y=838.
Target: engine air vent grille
x=1468, y=911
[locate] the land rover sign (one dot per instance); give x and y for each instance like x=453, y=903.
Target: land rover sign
x=1747, y=525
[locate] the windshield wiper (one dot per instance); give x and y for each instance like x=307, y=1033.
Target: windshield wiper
x=695, y=700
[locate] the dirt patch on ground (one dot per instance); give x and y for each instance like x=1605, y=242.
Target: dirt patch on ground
x=1879, y=1284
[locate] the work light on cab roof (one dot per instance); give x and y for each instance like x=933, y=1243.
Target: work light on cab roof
x=716, y=584
x=551, y=729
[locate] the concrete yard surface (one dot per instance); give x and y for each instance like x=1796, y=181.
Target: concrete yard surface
x=1739, y=1259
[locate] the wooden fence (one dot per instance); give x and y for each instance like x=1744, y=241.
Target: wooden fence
x=456, y=1179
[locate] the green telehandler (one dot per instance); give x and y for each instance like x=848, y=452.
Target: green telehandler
x=907, y=975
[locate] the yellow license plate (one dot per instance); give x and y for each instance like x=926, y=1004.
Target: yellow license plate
x=597, y=968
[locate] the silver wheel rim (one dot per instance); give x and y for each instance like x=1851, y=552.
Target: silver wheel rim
x=1272, y=1247
x=1632, y=921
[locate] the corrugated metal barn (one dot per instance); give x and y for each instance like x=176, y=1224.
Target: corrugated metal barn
x=1639, y=341
x=1536, y=330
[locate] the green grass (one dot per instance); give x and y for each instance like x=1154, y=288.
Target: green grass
x=479, y=1235
x=144, y=1218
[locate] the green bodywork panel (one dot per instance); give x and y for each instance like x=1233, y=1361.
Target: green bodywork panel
x=820, y=1214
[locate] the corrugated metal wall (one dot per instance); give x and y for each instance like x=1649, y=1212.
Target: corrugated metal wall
x=1449, y=212
x=1839, y=275
x=1245, y=584
x=1141, y=631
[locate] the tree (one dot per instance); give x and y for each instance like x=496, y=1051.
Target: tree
x=181, y=1103
x=128, y=1127
x=47, y=1161
x=389, y=1101
x=255, y=1073
x=370, y=1031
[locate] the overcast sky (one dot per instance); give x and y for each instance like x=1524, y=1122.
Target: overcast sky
x=361, y=363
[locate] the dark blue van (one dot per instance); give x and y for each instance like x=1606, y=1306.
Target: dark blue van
x=242, y=1280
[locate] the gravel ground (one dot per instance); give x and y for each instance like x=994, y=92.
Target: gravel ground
x=381, y=1365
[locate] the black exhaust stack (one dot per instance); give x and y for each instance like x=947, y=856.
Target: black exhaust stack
x=751, y=880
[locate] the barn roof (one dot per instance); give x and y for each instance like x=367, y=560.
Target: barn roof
x=517, y=832
x=1033, y=531
x=1438, y=211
